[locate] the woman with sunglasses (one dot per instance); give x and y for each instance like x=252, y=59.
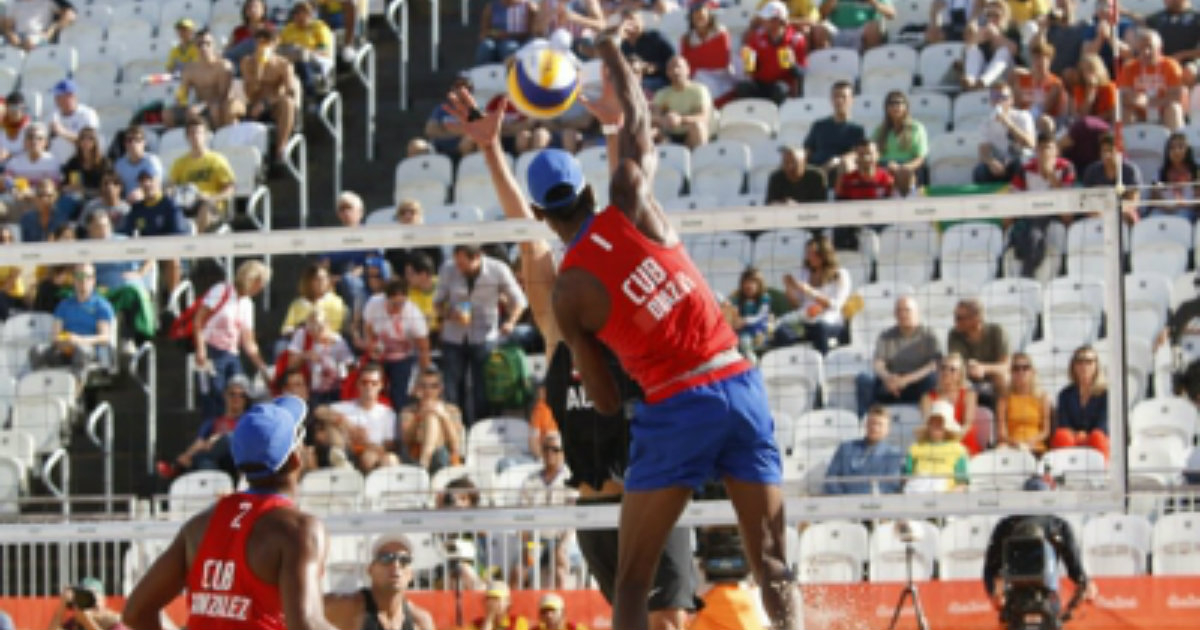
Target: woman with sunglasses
x=1023, y=415
x=902, y=142
x=953, y=387
x=1082, y=413
x=83, y=174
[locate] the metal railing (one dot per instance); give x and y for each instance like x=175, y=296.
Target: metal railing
x=295, y=158
x=364, y=70
x=149, y=387
x=103, y=413
x=330, y=114
x=397, y=18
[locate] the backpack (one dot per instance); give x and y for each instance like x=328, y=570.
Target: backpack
x=183, y=328
x=506, y=380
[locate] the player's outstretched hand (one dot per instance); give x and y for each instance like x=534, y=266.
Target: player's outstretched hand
x=481, y=127
x=607, y=109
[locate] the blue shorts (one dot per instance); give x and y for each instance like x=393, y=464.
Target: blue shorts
x=719, y=429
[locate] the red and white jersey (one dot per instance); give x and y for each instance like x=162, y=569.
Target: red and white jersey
x=222, y=592
x=663, y=323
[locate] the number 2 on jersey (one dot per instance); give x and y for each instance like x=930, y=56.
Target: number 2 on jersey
x=243, y=510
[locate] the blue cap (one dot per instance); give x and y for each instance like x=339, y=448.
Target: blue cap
x=1036, y=484
x=552, y=168
x=267, y=433
x=66, y=86
x=379, y=264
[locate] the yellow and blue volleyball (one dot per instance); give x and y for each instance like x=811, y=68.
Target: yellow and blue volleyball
x=543, y=82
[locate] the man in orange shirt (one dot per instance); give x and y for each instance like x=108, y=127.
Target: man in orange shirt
x=1152, y=85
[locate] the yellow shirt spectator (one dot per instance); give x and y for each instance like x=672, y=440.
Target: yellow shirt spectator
x=12, y=283
x=1021, y=11
x=330, y=304
x=315, y=36
x=210, y=173
x=798, y=9
x=423, y=300
x=180, y=55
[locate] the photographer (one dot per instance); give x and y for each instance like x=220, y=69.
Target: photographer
x=729, y=601
x=462, y=550
x=90, y=612
x=1017, y=552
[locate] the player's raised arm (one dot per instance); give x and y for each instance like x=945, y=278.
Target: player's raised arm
x=635, y=138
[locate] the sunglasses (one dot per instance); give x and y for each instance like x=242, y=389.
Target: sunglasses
x=1085, y=360
x=371, y=381
x=552, y=449
x=1022, y=367
x=403, y=558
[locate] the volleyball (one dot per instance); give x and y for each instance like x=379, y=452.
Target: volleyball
x=543, y=82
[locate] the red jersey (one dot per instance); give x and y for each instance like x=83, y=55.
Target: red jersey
x=858, y=186
x=663, y=324
x=771, y=57
x=223, y=593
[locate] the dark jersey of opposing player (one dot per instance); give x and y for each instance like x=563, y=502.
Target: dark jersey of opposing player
x=222, y=592
x=596, y=446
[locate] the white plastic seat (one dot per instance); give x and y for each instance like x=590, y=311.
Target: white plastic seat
x=174, y=10
x=452, y=213
x=748, y=118
x=842, y=367
x=972, y=109
x=45, y=66
x=246, y=163
x=147, y=60
x=780, y=252
x=1052, y=361
x=1148, y=290
x=719, y=157
x=793, y=376
x=1175, y=543
x=797, y=115
x=962, y=546
x=331, y=491
x=194, y=491
x=668, y=184
x=1081, y=467
x=401, y=487
x=677, y=157
x=937, y=300
x=832, y=552
x=1012, y=294
x=423, y=177
x=1073, y=310
x=18, y=445
x=13, y=485
x=785, y=430
x=1144, y=146
x=828, y=66
x=1001, y=469
x=1167, y=259
x=935, y=62
x=28, y=328
x=933, y=109
x=970, y=252
x=889, y=67
x=825, y=429
x=1116, y=545
x=1154, y=230
x=487, y=80
x=804, y=473
x=510, y=432
x=440, y=479
x=868, y=108
x=506, y=489
x=888, y=557
x=135, y=11
x=952, y=158
x=731, y=245
x=1166, y=418
x=1155, y=464
x=243, y=134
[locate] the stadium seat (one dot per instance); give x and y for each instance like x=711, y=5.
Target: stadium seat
x=764, y=154
x=719, y=168
x=906, y=420
x=842, y=366
x=952, y=158
x=28, y=329
x=797, y=115
x=824, y=429
x=832, y=552
x=506, y=489
x=736, y=18
x=1176, y=544
x=331, y=491
x=97, y=14
x=174, y=10
x=888, y=557
x=780, y=252
x=907, y=253
x=47, y=65
x=1170, y=419
x=970, y=252
x=1116, y=545
x=673, y=25
x=135, y=11
x=908, y=27
x=443, y=214
x=440, y=479
x=934, y=64
x=878, y=311
x=828, y=66
x=804, y=473
x=731, y=245
x=748, y=119
x=1073, y=310
x=1156, y=464
x=1001, y=469
x=243, y=134
x=1052, y=361
x=425, y=178
x=195, y=491
x=147, y=60
x=12, y=58
x=937, y=300
x=933, y=109
x=668, y=184
x=793, y=376
x=676, y=156
x=1079, y=467
x=1170, y=229
x=18, y=445
x=1166, y=259
x=246, y=162
x=691, y=203
x=1144, y=146
x=1150, y=292
x=492, y=439
x=886, y=68
x=972, y=110
x=785, y=430
x=962, y=545
x=488, y=81
x=868, y=108
x=13, y=485
x=402, y=487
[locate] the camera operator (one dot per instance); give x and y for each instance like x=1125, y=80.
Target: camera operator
x=90, y=612
x=729, y=601
x=1025, y=550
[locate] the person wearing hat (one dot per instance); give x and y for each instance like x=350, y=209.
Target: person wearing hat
x=552, y=614
x=308, y=43
x=70, y=116
x=253, y=559
x=86, y=601
x=28, y=24
x=185, y=50
x=497, y=614
x=208, y=80
x=211, y=450
x=774, y=56
x=384, y=604
x=937, y=461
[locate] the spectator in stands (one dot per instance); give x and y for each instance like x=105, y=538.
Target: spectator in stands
x=646, y=50
x=937, y=461
x=443, y=131
x=397, y=336
x=1178, y=179
x=210, y=449
x=869, y=464
x=795, y=181
x=953, y=387
x=342, y=14
x=346, y=267
x=1177, y=24
x=470, y=290
x=855, y=25
x=308, y=43
x=774, y=57
x=55, y=282
x=28, y=24
x=1023, y=415
x=1081, y=416
x=185, y=50
x=989, y=56
x=581, y=19
x=1037, y=90
x=376, y=272
x=70, y=117
x=497, y=610
x=271, y=87
x=16, y=121
x=125, y=283
x=154, y=214
x=1103, y=174
x=504, y=25
x=831, y=140
x=750, y=313
x=46, y=216
x=817, y=296
x=410, y=212
x=81, y=331
x=384, y=602
x=1022, y=13
x=902, y=143
x=1106, y=40
x=242, y=40
x=867, y=180
x=905, y=364
x=546, y=487
x=682, y=110
x=1046, y=171
x=36, y=163
x=1008, y=139
x=365, y=428
x=205, y=169
x=1152, y=88
x=223, y=324
x=1095, y=94
x=136, y=160
x=422, y=287
x=316, y=293
x=708, y=49
x=951, y=20
x=324, y=356
x=86, y=602
x=205, y=87
x=432, y=434
x=984, y=348
x=12, y=285
x=84, y=172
